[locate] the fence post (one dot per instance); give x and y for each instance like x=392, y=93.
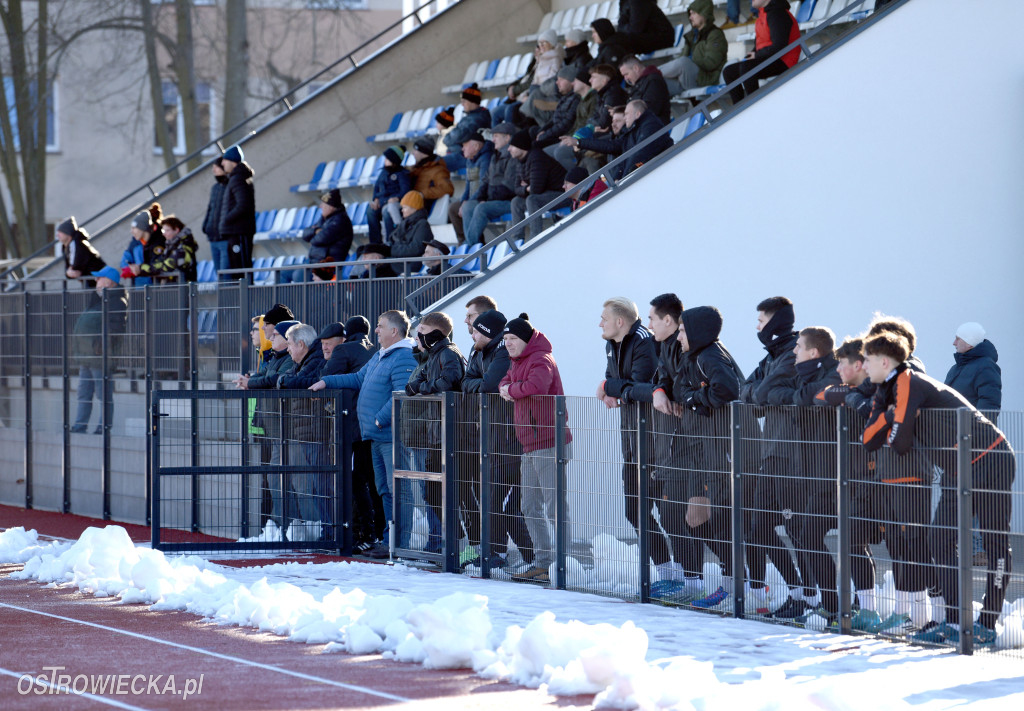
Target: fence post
x=154, y=465
x=561, y=527
x=965, y=515
x=644, y=502
x=27, y=374
x=449, y=484
x=736, y=477
x=147, y=340
x=193, y=370
x=843, y=512
x=342, y=484
x=485, y=486
x=65, y=469
x=106, y=401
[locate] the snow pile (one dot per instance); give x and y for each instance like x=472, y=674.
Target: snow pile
x=18, y=545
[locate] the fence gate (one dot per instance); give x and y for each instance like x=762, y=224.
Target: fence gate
x=254, y=471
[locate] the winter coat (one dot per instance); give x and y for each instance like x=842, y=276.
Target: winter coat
x=330, y=238
x=471, y=122
x=487, y=367
x=349, y=357
x=709, y=377
x=410, y=237
x=584, y=110
x=651, y=88
x=82, y=256
x=578, y=56
x=211, y=222
x=443, y=371
x=646, y=125
x=87, y=336
x=815, y=426
x=772, y=383
x=430, y=176
x=542, y=172
x=646, y=26
x=611, y=51
x=393, y=182
x=631, y=361
x=179, y=255
x=477, y=168
x=561, y=123
x=307, y=417
x=268, y=410
x=548, y=64
x=238, y=205
x=386, y=371
x=707, y=47
x=533, y=374
x=977, y=377
x=774, y=30
x=499, y=183
x=612, y=95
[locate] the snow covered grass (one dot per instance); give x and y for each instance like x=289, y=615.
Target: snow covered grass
x=630, y=656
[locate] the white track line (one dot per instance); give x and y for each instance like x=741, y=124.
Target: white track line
x=216, y=655
x=67, y=691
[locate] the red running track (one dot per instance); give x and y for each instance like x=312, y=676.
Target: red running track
x=240, y=668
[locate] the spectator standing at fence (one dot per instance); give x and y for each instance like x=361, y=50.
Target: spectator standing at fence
x=392, y=183
x=347, y=348
x=774, y=30
x=912, y=410
x=474, y=120
x=412, y=234
x=387, y=370
x=704, y=53
x=177, y=262
x=643, y=26
x=89, y=347
x=479, y=153
x=238, y=209
x=975, y=374
x=540, y=177
x=261, y=348
x=330, y=238
x=430, y=175
x=80, y=257
x=145, y=248
x=476, y=306
x=630, y=361
x=769, y=386
x=707, y=380
x=648, y=85
x=640, y=124
x=211, y=222
x=531, y=381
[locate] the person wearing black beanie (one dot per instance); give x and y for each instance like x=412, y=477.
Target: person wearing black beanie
x=357, y=324
x=521, y=328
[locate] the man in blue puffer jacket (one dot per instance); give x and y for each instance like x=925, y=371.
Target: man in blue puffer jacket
x=388, y=370
x=975, y=374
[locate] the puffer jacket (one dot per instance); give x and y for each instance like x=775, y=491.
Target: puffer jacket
x=471, y=122
x=561, y=123
x=430, y=176
x=386, y=371
x=476, y=169
x=238, y=206
x=211, y=222
x=977, y=377
x=643, y=128
x=349, y=357
x=410, y=237
x=329, y=238
x=532, y=375
x=707, y=47
x=442, y=372
x=500, y=181
x=548, y=64
x=179, y=255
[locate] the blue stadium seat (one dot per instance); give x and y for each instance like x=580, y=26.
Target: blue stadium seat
x=695, y=122
x=392, y=127
x=357, y=168
x=806, y=10
x=206, y=272
x=346, y=271
x=318, y=174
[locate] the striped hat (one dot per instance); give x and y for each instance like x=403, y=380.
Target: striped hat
x=472, y=94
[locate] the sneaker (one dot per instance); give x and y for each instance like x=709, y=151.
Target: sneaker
x=469, y=556
x=713, y=600
x=817, y=618
x=865, y=620
x=379, y=551
x=79, y=428
x=676, y=591
x=892, y=624
x=496, y=562
x=947, y=633
x=790, y=610
x=532, y=575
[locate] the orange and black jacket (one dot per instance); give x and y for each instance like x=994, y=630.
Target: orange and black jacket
x=909, y=392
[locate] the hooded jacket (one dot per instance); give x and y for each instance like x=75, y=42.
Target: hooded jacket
x=500, y=181
x=238, y=205
x=646, y=26
x=430, y=176
x=81, y=255
x=631, y=361
x=386, y=371
x=535, y=373
x=707, y=47
x=646, y=125
x=476, y=169
x=772, y=383
x=709, y=377
x=612, y=48
x=977, y=377
x=542, y=172
x=815, y=426
x=651, y=88
x=211, y=222
x=487, y=367
x=330, y=238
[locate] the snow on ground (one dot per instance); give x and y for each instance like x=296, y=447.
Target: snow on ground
x=566, y=643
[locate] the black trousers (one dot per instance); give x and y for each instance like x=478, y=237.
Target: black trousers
x=658, y=546
x=816, y=519
x=776, y=495
x=506, y=515
x=732, y=72
x=240, y=252
x=866, y=523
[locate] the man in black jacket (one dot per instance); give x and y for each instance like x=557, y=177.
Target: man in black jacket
x=330, y=239
x=643, y=26
x=647, y=84
x=211, y=222
x=238, y=209
x=540, y=177
x=564, y=116
x=348, y=356
x=769, y=386
x=641, y=124
x=610, y=44
x=497, y=188
x=631, y=359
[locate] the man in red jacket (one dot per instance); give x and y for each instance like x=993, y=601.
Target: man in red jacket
x=532, y=376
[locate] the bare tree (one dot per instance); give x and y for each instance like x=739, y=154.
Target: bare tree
x=236, y=65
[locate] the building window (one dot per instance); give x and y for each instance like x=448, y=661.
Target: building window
x=51, y=114
x=337, y=4
x=172, y=116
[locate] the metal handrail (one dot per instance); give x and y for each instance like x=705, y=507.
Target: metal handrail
x=283, y=99
x=509, y=235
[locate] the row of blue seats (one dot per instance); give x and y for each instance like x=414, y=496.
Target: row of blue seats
x=289, y=222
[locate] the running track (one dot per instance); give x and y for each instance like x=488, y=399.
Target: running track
x=242, y=668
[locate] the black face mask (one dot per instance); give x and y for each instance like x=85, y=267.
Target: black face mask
x=222, y=179
x=427, y=340
x=780, y=324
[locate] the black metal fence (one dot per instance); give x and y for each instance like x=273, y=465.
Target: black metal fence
x=78, y=369
x=778, y=513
